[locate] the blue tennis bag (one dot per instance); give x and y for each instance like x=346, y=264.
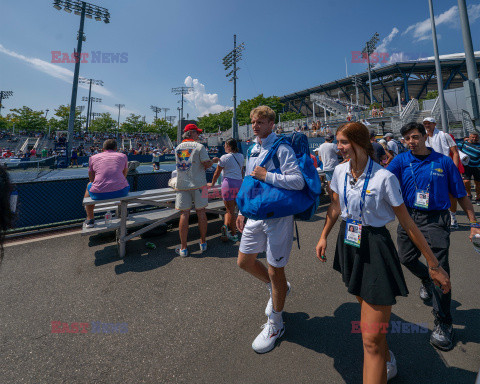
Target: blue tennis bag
x=259, y=200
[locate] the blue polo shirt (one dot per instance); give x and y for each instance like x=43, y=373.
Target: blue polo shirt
x=443, y=177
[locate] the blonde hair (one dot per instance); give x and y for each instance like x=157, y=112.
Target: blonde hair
x=263, y=111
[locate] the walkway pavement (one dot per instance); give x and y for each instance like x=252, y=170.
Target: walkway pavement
x=192, y=320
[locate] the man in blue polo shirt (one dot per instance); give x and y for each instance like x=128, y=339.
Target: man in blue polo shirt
x=426, y=178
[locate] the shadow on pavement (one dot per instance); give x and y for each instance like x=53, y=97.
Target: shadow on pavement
x=417, y=360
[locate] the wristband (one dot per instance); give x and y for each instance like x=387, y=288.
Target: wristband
x=474, y=224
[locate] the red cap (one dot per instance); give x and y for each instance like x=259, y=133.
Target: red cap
x=192, y=127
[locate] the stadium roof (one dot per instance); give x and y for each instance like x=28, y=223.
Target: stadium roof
x=413, y=78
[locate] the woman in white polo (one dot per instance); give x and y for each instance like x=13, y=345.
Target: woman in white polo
x=367, y=197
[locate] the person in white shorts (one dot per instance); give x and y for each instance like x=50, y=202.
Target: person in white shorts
x=192, y=160
x=443, y=143
x=274, y=236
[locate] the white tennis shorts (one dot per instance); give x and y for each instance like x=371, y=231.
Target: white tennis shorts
x=185, y=199
x=273, y=236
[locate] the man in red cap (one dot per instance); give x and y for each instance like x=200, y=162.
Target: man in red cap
x=192, y=160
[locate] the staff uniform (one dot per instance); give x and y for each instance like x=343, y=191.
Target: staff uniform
x=275, y=236
x=372, y=271
x=438, y=174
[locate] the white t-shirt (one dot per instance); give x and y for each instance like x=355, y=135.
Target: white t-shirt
x=232, y=164
x=440, y=142
x=328, y=155
x=382, y=193
x=392, y=146
x=189, y=156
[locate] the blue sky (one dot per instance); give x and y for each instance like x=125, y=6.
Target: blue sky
x=290, y=46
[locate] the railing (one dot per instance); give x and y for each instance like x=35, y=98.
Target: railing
x=410, y=110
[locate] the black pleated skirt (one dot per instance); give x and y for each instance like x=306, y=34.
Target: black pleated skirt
x=372, y=271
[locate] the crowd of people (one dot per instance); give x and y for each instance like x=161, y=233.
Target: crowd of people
x=369, y=185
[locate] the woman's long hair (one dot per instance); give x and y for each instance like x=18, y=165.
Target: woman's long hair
x=6, y=214
x=358, y=133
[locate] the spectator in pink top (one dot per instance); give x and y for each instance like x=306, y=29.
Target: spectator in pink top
x=107, y=172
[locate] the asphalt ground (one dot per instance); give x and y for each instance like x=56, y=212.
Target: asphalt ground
x=192, y=320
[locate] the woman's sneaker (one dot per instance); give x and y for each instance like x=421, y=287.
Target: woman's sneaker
x=231, y=237
x=391, y=367
x=265, y=341
x=89, y=223
x=181, y=252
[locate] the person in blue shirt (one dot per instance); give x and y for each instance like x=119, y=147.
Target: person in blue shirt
x=427, y=178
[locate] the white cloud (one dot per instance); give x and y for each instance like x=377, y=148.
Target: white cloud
x=387, y=40
x=124, y=112
x=423, y=29
x=53, y=70
x=205, y=103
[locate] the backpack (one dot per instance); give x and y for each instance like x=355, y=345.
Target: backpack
x=400, y=146
x=259, y=200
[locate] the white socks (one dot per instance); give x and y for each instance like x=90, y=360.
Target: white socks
x=277, y=318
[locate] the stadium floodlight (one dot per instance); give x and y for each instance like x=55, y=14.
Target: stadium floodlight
x=181, y=91
x=4, y=95
x=89, y=100
x=165, y=110
x=119, y=106
x=232, y=58
x=370, y=47
x=82, y=9
x=156, y=110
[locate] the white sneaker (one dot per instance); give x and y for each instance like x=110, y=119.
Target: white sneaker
x=391, y=367
x=181, y=252
x=265, y=341
x=269, y=307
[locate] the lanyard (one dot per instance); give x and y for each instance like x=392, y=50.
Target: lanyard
x=364, y=190
x=431, y=176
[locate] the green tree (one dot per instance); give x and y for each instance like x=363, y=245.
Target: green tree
x=133, y=124
x=287, y=116
x=162, y=127
x=26, y=119
x=245, y=106
x=215, y=121
x=103, y=123
x=5, y=124
x=60, y=123
x=431, y=95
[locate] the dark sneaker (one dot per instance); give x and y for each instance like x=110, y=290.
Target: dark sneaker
x=442, y=336
x=89, y=223
x=426, y=291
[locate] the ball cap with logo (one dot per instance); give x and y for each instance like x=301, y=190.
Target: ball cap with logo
x=192, y=127
x=430, y=119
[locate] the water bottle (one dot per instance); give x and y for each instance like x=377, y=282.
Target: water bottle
x=108, y=218
x=476, y=243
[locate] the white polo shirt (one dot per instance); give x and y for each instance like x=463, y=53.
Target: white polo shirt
x=441, y=142
x=383, y=193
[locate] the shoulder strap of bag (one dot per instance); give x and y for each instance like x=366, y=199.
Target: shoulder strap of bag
x=273, y=152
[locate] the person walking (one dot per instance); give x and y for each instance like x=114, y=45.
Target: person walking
x=367, y=197
x=328, y=155
x=231, y=166
x=273, y=236
x=191, y=160
x=427, y=178
x=443, y=143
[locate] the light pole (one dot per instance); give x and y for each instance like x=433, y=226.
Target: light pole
x=82, y=80
x=179, y=128
x=356, y=83
x=472, y=85
x=82, y=9
x=370, y=47
x=165, y=110
x=4, y=95
x=232, y=58
x=90, y=101
x=120, y=106
x=181, y=91
x=156, y=110
x=399, y=101
x=438, y=70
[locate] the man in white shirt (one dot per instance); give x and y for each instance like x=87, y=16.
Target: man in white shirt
x=273, y=236
x=192, y=160
x=391, y=144
x=443, y=143
x=328, y=155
